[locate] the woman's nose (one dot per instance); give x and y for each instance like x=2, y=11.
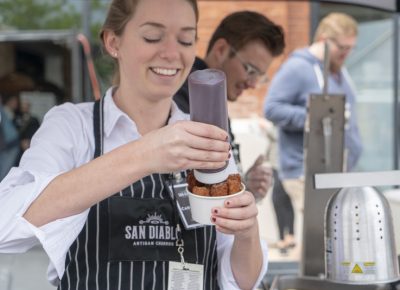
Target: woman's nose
x=170, y=50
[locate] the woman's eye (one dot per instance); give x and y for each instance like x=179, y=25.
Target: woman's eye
x=151, y=40
x=185, y=43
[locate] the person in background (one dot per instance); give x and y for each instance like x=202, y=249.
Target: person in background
x=9, y=151
x=280, y=199
x=286, y=100
x=27, y=125
x=2, y=141
x=91, y=188
x=243, y=47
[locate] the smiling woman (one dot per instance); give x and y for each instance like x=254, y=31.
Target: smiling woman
x=122, y=12
x=164, y=51
x=93, y=187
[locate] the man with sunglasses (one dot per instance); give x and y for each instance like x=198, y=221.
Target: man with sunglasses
x=243, y=47
x=286, y=101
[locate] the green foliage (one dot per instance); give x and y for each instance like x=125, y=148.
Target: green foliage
x=38, y=14
x=57, y=14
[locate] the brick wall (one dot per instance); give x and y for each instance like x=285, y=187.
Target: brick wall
x=294, y=18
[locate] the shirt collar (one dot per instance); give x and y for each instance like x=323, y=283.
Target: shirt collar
x=113, y=114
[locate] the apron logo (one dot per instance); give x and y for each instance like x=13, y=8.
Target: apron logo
x=154, y=219
x=151, y=231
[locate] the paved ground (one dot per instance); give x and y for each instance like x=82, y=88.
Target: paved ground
x=24, y=271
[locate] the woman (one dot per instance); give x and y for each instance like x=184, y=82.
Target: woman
x=105, y=222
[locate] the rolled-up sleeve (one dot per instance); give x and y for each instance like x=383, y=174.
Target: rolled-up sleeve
x=225, y=275
x=17, y=192
x=60, y=144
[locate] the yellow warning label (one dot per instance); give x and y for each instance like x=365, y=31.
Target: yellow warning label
x=368, y=264
x=357, y=270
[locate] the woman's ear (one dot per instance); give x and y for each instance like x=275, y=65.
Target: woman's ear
x=111, y=43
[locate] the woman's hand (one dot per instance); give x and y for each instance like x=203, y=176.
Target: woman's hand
x=185, y=145
x=238, y=216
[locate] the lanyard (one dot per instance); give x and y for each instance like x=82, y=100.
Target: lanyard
x=179, y=240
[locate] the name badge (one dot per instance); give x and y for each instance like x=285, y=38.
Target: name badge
x=189, y=276
x=177, y=189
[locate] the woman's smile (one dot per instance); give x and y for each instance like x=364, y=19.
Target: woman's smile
x=161, y=71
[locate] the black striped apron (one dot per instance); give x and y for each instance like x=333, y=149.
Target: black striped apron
x=87, y=266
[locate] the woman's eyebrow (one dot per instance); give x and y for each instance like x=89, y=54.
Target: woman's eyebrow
x=189, y=28
x=159, y=25
x=155, y=24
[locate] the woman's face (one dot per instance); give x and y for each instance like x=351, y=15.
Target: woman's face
x=157, y=48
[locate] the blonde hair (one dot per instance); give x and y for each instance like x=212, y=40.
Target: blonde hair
x=336, y=24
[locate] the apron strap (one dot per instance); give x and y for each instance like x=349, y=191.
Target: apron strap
x=98, y=127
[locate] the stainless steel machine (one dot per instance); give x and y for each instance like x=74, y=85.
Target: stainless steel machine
x=363, y=255
x=321, y=156
x=323, y=153
x=359, y=238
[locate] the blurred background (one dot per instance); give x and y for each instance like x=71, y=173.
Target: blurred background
x=50, y=53
x=43, y=60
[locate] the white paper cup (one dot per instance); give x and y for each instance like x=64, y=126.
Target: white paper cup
x=201, y=206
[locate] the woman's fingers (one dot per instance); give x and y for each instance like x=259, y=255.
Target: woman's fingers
x=205, y=137
x=194, y=154
x=189, y=157
x=205, y=130
x=187, y=145
x=195, y=145
x=241, y=200
x=233, y=227
x=238, y=215
x=203, y=143
x=242, y=213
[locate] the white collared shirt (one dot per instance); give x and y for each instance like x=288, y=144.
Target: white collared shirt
x=65, y=141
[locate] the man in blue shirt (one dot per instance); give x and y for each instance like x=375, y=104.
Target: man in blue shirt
x=300, y=76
